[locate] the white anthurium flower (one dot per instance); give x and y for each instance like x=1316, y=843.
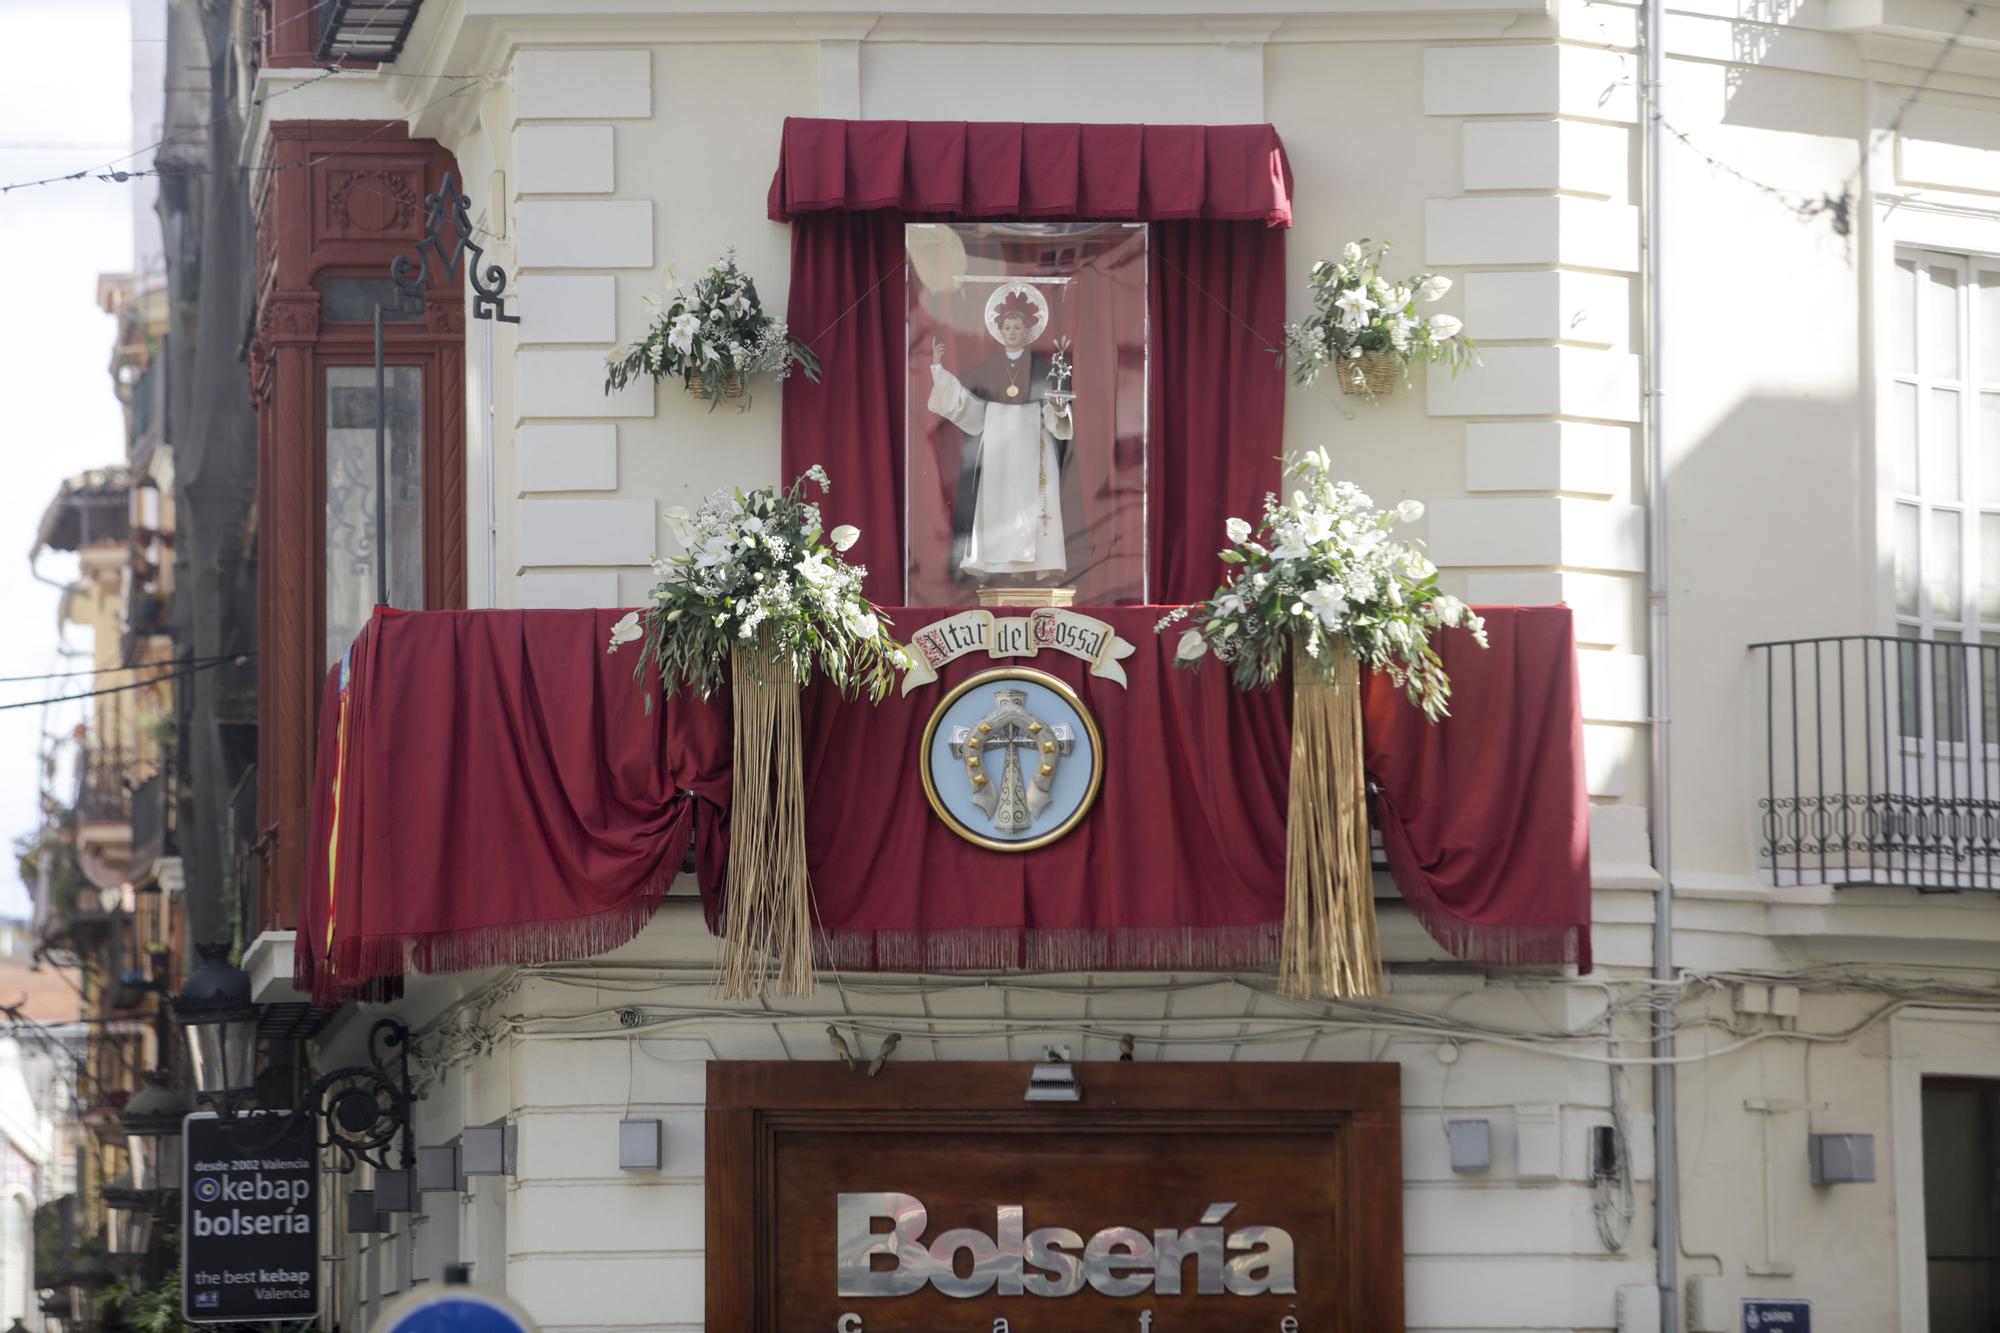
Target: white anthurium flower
x=1350, y=253
x=1445, y=327
x=1433, y=287
x=680, y=523
x=844, y=536
x=1192, y=646
x=1238, y=530
x=1398, y=298
x=1409, y=511
x=625, y=631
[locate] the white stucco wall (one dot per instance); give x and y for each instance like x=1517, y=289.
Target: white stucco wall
x=1492, y=142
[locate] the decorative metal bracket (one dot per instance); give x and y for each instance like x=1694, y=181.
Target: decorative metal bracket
x=360, y=1109
x=413, y=275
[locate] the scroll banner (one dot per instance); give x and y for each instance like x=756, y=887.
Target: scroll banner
x=947, y=640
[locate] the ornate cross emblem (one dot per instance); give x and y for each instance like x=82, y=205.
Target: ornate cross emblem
x=1016, y=799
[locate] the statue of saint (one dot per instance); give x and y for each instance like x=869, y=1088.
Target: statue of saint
x=1008, y=522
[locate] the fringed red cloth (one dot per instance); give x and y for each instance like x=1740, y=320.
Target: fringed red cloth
x=1486, y=816
x=960, y=169
x=492, y=790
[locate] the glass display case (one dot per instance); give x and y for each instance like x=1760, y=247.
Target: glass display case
x=1026, y=413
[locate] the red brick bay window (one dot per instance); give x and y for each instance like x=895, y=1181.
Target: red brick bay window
x=336, y=202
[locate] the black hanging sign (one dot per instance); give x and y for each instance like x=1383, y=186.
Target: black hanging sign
x=249, y=1218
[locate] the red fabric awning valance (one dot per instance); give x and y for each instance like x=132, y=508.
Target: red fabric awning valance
x=984, y=169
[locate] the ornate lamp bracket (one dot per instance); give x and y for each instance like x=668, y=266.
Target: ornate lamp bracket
x=412, y=275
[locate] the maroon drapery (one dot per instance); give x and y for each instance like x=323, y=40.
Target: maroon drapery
x=491, y=789
x=1486, y=817
x=1218, y=198
x=953, y=168
x=501, y=794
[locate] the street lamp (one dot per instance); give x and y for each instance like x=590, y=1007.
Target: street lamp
x=359, y=1111
x=152, y=1121
x=128, y=1222
x=215, y=1010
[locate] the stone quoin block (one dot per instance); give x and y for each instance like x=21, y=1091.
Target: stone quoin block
x=569, y=308
x=1557, y=305
x=1539, y=381
x=585, y=233
x=1556, y=530
x=1531, y=229
x=568, y=457
x=564, y=159
x=1575, y=156
x=560, y=382
x=596, y=85
x=1604, y=607
x=585, y=532
x=1575, y=456
x=1612, y=686
x=542, y=591
x=1529, y=80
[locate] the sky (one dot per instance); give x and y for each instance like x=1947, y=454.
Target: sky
x=65, y=104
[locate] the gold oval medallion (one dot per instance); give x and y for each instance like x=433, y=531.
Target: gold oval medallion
x=1013, y=391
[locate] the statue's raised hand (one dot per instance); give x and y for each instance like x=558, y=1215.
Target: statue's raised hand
x=937, y=351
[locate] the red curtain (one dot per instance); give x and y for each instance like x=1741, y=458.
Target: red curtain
x=492, y=790
x=1217, y=387
x=949, y=168
x=1486, y=816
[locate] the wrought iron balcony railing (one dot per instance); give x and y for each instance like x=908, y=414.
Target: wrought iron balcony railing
x=1881, y=762
x=104, y=776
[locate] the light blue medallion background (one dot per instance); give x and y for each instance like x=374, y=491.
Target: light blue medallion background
x=1072, y=778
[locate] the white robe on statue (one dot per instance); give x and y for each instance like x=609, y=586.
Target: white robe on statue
x=1019, y=480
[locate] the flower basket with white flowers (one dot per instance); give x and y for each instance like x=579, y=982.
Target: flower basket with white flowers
x=1321, y=585
x=761, y=587
x=1366, y=328
x=712, y=338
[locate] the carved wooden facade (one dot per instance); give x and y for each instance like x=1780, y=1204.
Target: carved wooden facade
x=335, y=199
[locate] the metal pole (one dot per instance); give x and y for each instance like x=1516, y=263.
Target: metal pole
x=1666, y=1166
x=381, y=469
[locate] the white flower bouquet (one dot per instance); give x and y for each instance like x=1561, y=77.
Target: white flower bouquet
x=759, y=574
x=1368, y=328
x=1320, y=570
x=711, y=338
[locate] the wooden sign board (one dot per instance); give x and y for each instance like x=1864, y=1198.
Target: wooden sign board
x=1177, y=1198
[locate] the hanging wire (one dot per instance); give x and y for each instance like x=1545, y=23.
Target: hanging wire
x=239, y=659
x=141, y=666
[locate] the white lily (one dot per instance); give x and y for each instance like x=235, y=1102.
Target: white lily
x=1237, y=529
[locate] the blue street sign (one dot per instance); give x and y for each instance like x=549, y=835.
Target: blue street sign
x=454, y=1308
x=1789, y=1314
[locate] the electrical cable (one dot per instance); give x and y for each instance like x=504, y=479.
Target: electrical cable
x=239, y=660
x=137, y=666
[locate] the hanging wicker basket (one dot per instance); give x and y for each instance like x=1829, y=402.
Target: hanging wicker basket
x=732, y=385
x=1371, y=374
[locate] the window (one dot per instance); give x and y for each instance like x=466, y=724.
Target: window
x=1941, y=443
x=1961, y=1120
x=351, y=500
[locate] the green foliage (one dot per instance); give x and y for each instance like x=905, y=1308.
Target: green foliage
x=1356, y=311
x=719, y=327
x=1321, y=571
x=759, y=573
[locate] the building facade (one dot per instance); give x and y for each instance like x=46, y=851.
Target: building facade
x=1760, y=494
